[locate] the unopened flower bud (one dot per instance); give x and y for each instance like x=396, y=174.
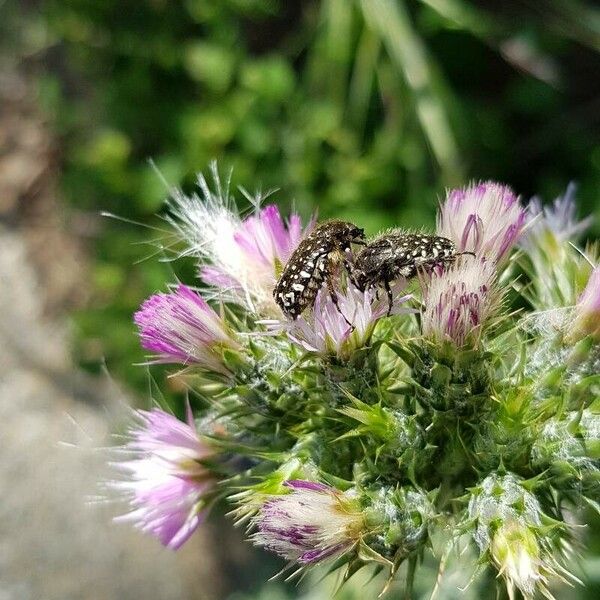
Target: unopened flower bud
x=516, y=553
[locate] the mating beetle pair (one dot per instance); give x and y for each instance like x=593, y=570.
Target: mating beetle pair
x=381, y=261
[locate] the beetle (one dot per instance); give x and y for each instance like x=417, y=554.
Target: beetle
x=400, y=254
x=313, y=264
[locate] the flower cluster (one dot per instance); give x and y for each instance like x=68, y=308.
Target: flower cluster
x=442, y=391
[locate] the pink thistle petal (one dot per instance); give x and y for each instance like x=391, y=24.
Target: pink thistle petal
x=218, y=278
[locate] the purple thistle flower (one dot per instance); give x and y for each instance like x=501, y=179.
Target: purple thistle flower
x=459, y=301
x=484, y=218
x=558, y=220
x=311, y=523
x=587, y=309
x=325, y=329
x=180, y=327
x=249, y=254
x=165, y=481
x=240, y=257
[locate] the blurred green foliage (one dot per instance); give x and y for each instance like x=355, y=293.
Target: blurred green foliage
x=366, y=109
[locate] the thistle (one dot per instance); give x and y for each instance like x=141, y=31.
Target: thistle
x=388, y=403
x=240, y=258
x=484, y=218
x=340, y=330
x=587, y=310
x=164, y=478
x=311, y=523
x=181, y=327
x=458, y=303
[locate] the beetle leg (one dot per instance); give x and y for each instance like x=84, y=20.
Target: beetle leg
x=350, y=271
x=388, y=289
x=334, y=298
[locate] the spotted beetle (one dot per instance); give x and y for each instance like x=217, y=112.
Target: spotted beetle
x=398, y=254
x=313, y=263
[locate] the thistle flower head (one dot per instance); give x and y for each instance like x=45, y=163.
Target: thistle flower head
x=311, y=523
x=555, y=223
x=339, y=330
x=553, y=266
x=242, y=258
x=501, y=498
x=164, y=480
x=458, y=302
x=484, y=218
x=587, y=309
x=180, y=327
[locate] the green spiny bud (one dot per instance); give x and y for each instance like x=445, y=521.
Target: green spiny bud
x=403, y=516
x=512, y=531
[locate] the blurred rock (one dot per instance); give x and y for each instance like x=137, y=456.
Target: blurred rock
x=29, y=171
x=55, y=544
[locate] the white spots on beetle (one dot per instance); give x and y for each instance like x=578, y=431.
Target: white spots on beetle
x=304, y=274
x=298, y=287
